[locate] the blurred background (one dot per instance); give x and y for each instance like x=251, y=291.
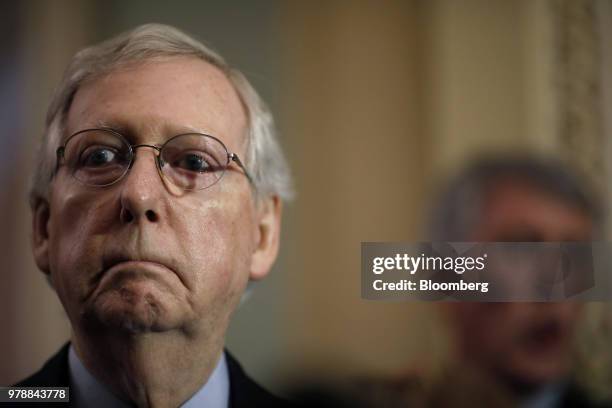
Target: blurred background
x=377, y=103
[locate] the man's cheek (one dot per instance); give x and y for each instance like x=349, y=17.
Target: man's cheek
x=75, y=259
x=219, y=263
x=229, y=223
x=77, y=227
x=79, y=207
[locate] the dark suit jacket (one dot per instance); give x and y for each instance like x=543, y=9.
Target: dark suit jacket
x=576, y=397
x=244, y=392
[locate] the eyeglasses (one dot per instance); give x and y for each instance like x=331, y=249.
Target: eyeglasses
x=101, y=157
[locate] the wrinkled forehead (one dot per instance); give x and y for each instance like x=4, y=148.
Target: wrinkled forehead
x=153, y=100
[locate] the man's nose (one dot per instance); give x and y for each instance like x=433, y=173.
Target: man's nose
x=142, y=190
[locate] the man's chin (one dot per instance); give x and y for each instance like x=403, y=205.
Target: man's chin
x=528, y=376
x=131, y=311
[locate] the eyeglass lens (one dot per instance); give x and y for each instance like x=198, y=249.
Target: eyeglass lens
x=190, y=161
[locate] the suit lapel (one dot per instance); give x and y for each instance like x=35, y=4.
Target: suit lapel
x=54, y=373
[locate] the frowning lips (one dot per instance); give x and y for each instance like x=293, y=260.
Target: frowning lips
x=153, y=262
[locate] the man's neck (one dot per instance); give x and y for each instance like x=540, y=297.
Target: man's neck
x=150, y=369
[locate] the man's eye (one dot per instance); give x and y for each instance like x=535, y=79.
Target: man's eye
x=98, y=157
x=193, y=162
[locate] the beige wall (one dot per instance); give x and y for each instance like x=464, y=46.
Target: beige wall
x=354, y=114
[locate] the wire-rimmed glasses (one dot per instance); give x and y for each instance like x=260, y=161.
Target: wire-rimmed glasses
x=102, y=156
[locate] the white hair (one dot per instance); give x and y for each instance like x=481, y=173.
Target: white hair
x=264, y=158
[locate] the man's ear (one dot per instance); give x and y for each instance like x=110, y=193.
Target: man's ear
x=40, y=234
x=269, y=211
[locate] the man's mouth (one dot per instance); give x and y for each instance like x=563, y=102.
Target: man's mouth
x=125, y=270
x=544, y=336
x=135, y=265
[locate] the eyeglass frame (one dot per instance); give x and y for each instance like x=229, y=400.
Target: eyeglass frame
x=231, y=157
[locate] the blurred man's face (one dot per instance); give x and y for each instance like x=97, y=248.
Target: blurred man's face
x=137, y=255
x=528, y=343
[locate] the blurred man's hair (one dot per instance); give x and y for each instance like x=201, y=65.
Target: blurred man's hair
x=457, y=209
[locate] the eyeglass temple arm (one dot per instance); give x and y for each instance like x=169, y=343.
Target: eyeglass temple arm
x=234, y=157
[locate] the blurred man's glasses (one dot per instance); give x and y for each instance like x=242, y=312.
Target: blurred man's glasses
x=101, y=157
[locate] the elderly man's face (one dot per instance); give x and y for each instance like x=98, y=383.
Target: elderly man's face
x=139, y=255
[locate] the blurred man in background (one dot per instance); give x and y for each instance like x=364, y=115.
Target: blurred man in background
x=513, y=354
x=504, y=354
x=157, y=198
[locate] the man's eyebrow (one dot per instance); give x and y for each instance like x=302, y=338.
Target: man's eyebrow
x=98, y=124
x=177, y=130
x=116, y=126
x=166, y=130
x=129, y=132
